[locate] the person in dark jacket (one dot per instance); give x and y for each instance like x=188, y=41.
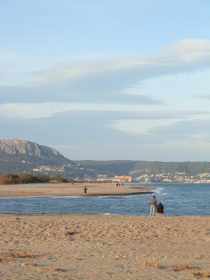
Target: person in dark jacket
x=160, y=208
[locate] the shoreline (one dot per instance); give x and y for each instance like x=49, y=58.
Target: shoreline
x=81, y=195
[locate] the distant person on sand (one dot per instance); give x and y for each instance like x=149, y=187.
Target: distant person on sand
x=153, y=205
x=85, y=189
x=160, y=208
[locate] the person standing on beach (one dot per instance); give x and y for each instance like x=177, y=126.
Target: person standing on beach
x=153, y=205
x=85, y=189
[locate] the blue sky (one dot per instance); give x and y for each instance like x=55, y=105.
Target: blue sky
x=107, y=79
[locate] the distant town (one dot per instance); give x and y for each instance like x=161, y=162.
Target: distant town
x=177, y=177
x=202, y=178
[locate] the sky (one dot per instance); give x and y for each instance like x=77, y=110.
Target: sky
x=108, y=79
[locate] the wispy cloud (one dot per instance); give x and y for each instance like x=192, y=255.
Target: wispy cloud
x=167, y=127
x=191, y=52
x=111, y=80
x=97, y=111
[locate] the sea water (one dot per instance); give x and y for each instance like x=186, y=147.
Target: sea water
x=178, y=199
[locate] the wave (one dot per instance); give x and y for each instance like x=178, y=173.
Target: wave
x=158, y=190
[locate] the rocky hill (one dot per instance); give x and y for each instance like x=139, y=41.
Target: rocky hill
x=18, y=156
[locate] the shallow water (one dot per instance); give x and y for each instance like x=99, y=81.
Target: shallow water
x=178, y=199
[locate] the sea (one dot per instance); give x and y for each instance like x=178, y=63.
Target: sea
x=178, y=200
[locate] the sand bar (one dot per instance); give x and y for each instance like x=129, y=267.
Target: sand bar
x=94, y=247
x=68, y=189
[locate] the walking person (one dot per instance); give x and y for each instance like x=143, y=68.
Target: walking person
x=153, y=205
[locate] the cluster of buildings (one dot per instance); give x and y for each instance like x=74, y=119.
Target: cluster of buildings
x=177, y=177
x=47, y=168
x=115, y=179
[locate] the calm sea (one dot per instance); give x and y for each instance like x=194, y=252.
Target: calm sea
x=178, y=199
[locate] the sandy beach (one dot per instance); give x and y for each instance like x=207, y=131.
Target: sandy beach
x=104, y=247
x=94, y=247
x=69, y=189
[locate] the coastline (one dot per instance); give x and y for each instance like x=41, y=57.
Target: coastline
x=48, y=246
x=69, y=189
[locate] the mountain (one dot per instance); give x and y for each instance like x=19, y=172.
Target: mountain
x=18, y=156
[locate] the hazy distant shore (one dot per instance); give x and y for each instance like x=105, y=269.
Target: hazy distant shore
x=68, y=189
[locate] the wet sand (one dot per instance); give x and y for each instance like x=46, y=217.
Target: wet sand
x=93, y=247
x=68, y=189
